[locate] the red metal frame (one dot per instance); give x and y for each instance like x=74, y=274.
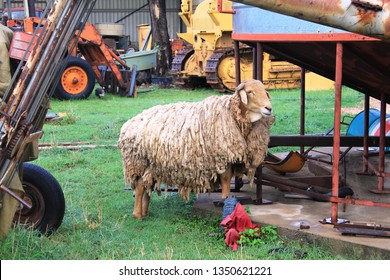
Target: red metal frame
x=307, y=37
x=339, y=39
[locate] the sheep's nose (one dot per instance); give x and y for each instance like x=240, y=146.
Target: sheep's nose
x=269, y=109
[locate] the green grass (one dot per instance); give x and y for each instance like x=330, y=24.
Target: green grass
x=98, y=223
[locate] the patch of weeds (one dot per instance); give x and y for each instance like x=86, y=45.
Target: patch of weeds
x=258, y=236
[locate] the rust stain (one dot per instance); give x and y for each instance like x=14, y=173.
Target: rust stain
x=366, y=16
x=367, y=11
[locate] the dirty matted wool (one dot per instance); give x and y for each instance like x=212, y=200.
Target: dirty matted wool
x=186, y=145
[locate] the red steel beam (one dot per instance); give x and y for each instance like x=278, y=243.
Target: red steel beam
x=337, y=128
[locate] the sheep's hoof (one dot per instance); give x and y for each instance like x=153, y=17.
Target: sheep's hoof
x=138, y=216
x=145, y=214
x=224, y=196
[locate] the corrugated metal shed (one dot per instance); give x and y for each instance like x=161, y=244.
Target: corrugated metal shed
x=114, y=10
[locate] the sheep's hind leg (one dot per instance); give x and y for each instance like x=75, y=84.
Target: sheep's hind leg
x=139, y=194
x=225, y=181
x=145, y=204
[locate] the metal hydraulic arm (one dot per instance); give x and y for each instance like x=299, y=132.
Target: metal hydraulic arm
x=24, y=105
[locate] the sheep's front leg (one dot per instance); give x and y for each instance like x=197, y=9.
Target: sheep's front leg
x=145, y=204
x=139, y=194
x=225, y=181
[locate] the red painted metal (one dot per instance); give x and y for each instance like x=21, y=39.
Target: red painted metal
x=381, y=163
x=366, y=127
x=337, y=128
x=307, y=37
x=303, y=106
x=319, y=51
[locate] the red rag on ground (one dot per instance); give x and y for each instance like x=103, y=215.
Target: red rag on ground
x=235, y=223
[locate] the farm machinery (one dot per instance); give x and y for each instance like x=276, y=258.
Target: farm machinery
x=208, y=56
x=26, y=189
x=80, y=72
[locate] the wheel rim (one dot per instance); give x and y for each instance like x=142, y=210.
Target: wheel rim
x=227, y=71
x=27, y=217
x=74, y=80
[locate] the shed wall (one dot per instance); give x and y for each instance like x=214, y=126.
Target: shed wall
x=114, y=10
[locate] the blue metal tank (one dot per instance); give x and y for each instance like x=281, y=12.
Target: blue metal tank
x=249, y=19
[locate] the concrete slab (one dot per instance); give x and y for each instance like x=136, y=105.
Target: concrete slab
x=300, y=216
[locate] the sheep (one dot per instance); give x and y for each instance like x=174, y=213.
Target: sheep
x=196, y=147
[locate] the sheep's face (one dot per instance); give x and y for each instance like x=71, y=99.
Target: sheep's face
x=255, y=99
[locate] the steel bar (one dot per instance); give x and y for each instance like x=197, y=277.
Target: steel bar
x=303, y=105
x=237, y=62
x=366, y=127
x=323, y=140
x=14, y=195
x=255, y=63
x=337, y=129
x=382, y=131
x=288, y=185
x=9, y=10
x=295, y=183
x=133, y=12
x=259, y=61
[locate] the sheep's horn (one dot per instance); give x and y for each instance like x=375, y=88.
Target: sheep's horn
x=240, y=86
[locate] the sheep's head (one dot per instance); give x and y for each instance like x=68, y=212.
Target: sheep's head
x=255, y=99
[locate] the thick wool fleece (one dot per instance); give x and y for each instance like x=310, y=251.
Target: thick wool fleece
x=186, y=145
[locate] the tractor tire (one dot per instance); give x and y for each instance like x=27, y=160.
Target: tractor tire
x=77, y=80
x=45, y=195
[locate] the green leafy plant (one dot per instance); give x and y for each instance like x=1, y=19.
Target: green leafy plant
x=251, y=237
x=257, y=236
x=269, y=233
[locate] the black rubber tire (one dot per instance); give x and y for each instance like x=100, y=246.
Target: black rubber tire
x=45, y=195
x=87, y=86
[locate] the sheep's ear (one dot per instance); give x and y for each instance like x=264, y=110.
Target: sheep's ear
x=243, y=96
x=242, y=93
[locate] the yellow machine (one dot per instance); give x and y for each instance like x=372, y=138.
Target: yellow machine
x=209, y=55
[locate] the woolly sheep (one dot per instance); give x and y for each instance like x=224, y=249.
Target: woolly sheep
x=196, y=147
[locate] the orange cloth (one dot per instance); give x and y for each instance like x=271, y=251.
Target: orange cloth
x=235, y=223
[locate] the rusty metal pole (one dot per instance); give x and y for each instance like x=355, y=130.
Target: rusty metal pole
x=259, y=61
x=237, y=62
x=337, y=125
x=258, y=71
x=381, y=163
x=366, y=124
x=303, y=104
x=255, y=63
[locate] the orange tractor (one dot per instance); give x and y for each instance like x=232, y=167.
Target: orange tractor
x=81, y=70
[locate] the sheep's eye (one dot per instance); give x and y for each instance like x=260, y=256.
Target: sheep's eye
x=268, y=94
